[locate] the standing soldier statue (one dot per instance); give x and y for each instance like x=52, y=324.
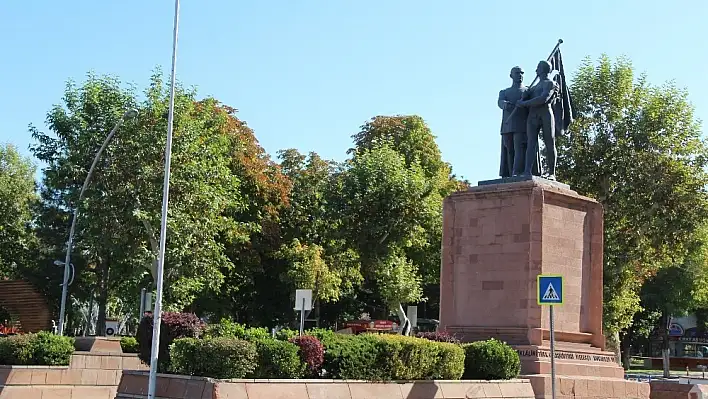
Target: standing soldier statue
x=513, y=127
x=541, y=118
x=545, y=108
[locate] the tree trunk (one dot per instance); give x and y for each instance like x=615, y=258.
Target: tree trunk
x=102, y=296
x=625, y=350
x=89, y=316
x=317, y=313
x=665, y=354
x=612, y=343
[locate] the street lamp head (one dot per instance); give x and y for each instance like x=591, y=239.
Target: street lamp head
x=58, y=263
x=131, y=113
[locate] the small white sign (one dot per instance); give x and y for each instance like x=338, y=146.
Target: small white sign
x=303, y=295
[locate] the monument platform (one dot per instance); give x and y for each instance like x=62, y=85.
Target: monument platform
x=497, y=238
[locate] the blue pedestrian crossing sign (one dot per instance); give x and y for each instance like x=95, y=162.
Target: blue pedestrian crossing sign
x=550, y=289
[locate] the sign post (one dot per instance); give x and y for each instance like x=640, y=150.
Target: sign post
x=550, y=293
x=303, y=303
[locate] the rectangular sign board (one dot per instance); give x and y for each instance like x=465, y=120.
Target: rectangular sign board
x=550, y=289
x=301, y=295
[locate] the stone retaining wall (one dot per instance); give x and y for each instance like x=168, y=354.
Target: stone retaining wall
x=106, y=361
x=50, y=382
x=90, y=375
x=676, y=390
x=583, y=387
x=133, y=385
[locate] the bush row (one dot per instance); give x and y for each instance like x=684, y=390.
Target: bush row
x=361, y=357
x=41, y=349
x=229, y=357
x=392, y=357
x=230, y=350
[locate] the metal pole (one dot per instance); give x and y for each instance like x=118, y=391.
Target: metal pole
x=302, y=318
x=553, y=355
x=157, y=314
x=70, y=242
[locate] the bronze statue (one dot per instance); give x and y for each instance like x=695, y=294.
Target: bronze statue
x=513, y=127
x=540, y=117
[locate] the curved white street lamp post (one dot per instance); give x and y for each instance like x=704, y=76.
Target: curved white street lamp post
x=67, y=261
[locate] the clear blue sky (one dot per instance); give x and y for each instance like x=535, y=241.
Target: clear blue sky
x=307, y=74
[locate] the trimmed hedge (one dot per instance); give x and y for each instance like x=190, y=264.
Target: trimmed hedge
x=41, y=349
x=173, y=326
x=213, y=357
x=410, y=358
x=232, y=350
x=392, y=357
x=129, y=345
x=491, y=360
x=278, y=359
x=227, y=357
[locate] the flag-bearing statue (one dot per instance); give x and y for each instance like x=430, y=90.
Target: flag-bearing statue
x=544, y=109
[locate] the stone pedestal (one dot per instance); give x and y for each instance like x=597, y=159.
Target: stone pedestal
x=497, y=238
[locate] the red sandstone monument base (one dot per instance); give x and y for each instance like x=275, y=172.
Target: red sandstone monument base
x=497, y=238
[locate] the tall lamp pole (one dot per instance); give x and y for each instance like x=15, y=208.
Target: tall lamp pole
x=157, y=314
x=131, y=113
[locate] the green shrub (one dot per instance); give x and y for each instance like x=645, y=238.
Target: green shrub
x=278, y=359
x=352, y=357
x=451, y=364
x=256, y=334
x=322, y=334
x=52, y=350
x=391, y=357
x=41, y=349
x=231, y=329
x=409, y=358
x=16, y=350
x=129, y=345
x=286, y=334
x=491, y=360
x=225, y=328
x=220, y=357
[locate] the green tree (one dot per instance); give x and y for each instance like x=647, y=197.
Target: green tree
x=675, y=290
x=638, y=150
x=17, y=198
x=310, y=230
x=253, y=273
x=121, y=209
x=386, y=206
x=309, y=270
x=409, y=136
